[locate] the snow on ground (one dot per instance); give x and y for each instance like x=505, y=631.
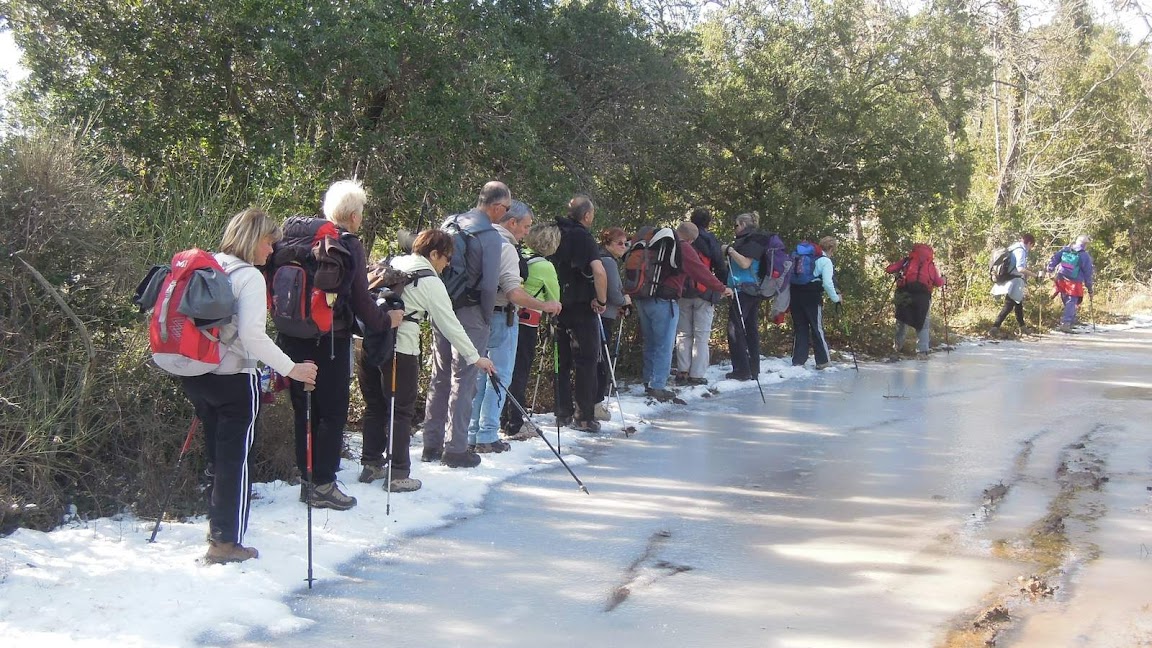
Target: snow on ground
x=100, y=583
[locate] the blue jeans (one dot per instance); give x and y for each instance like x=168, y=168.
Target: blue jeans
x=658, y=319
x=921, y=335
x=486, y=406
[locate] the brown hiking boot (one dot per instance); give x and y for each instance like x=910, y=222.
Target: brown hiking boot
x=331, y=497
x=404, y=485
x=220, y=553
x=372, y=472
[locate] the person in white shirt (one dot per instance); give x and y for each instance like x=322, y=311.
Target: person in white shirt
x=425, y=299
x=227, y=400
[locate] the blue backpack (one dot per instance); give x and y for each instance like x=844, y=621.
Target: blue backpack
x=804, y=264
x=1069, y=267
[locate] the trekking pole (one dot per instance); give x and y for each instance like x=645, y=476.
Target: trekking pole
x=944, y=299
x=528, y=418
x=540, y=367
x=744, y=336
x=847, y=337
x=309, y=486
x=391, y=427
x=612, y=375
x=1091, y=312
x=555, y=382
x=619, y=334
x=175, y=473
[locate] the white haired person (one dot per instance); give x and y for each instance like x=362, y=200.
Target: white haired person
x=227, y=400
x=331, y=351
x=1072, y=273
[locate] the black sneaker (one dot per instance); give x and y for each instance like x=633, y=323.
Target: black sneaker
x=733, y=375
x=496, y=446
x=466, y=459
x=431, y=454
x=590, y=426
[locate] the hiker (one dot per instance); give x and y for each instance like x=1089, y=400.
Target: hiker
x=1072, y=272
x=743, y=258
x=613, y=243
x=660, y=310
x=698, y=305
x=504, y=330
x=1012, y=290
x=811, y=278
x=425, y=299
x=916, y=278
x=540, y=242
x=584, y=294
x=227, y=399
x=475, y=267
x=331, y=351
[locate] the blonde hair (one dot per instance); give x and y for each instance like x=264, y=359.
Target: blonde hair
x=543, y=238
x=342, y=200
x=829, y=244
x=245, y=231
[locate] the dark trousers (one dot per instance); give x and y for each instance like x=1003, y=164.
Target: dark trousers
x=578, y=342
x=808, y=326
x=376, y=387
x=1010, y=306
x=227, y=406
x=329, y=402
x=603, y=375
x=510, y=418
x=744, y=340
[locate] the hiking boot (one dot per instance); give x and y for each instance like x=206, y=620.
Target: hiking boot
x=994, y=332
x=733, y=375
x=331, y=497
x=466, y=459
x=371, y=472
x=404, y=485
x=496, y=446
x=590, y=426
x=695, y=381
x=220, y=553
x=823, y=365
x=1065, y=327
x=660, y=394
x=431, y=454
x=563, y=421
x=602, y=413
x=526, y=432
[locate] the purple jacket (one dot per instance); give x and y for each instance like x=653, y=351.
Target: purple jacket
x=1086, y=269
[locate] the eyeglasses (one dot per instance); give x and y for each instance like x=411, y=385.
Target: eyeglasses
x=619, y=242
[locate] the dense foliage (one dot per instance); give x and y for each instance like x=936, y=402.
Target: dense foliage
x=144, y=124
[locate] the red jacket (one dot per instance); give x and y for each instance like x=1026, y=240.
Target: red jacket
x=694, y=269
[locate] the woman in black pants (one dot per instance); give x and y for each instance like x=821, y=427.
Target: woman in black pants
x=227, y=400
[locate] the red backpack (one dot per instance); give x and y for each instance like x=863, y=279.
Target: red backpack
x=191, y=302
x=916, y=271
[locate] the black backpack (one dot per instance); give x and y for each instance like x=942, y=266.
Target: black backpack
x=1001, y=268
x=388, y=284
x=310, y=277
